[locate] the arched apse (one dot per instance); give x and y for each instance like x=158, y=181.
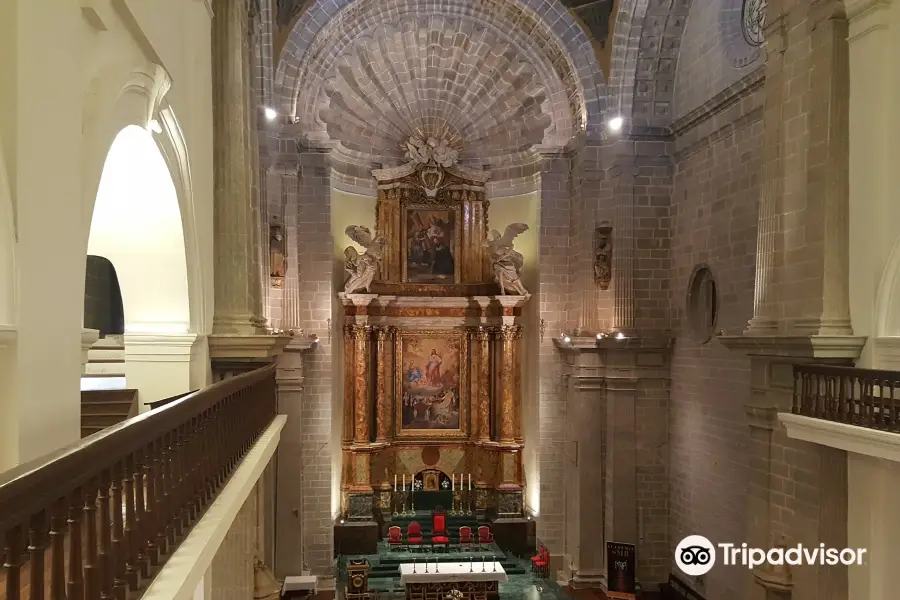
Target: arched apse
x=124, y=94
x=7, y=248
x=137, y=226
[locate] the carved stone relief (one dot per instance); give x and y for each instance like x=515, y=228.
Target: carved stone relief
x=603, y=256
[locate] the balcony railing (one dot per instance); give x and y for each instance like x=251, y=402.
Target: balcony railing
x=862, y=397
x=96, y=520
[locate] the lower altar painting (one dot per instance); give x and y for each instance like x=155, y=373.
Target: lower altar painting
x=432, y=378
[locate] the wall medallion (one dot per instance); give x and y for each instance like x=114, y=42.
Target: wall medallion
x=742, y=23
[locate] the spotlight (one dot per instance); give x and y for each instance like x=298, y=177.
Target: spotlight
x=567, y=339
x=270, y=113
x=620, y=336
x=601, y=336
x=615, y=124
x=154, y=126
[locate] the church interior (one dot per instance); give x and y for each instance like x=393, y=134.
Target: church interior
x=448, y=299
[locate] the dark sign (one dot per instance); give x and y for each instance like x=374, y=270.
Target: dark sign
x=620, y=571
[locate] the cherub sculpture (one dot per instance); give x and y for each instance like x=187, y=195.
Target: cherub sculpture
x=505, y=261
x=362, y=268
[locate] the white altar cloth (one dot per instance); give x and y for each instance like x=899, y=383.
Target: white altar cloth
x=447, y=571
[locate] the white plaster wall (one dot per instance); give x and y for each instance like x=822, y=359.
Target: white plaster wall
x=874, y=177
x=76, y=75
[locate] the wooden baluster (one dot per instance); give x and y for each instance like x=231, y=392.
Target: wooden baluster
x=131, y=567
x=89, y=518
x=140, y=523
x=162, y=525
x=104, y=558
x=206, y=426
x=118, y=533
x=172, y=489
x=75, y=582
x=37, y=544
x=13, y=564
x=190, y=464
x=893, y=403
x=58, y=550
x=177, y=481
x=151, y=473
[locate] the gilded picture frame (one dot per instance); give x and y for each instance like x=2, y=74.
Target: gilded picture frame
x=437, y=225
x=431, y=379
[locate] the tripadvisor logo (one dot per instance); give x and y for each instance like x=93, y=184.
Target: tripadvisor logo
x=695, y=555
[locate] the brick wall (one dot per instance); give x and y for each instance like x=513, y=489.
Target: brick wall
x=714, y=222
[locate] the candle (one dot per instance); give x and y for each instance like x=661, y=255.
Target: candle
x=470, y=482
x=453, y=482
x=395, y=482
x=404, y=482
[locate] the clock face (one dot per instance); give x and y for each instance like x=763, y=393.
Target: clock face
x=742, y=23
x=358, y=582
x=753, y=21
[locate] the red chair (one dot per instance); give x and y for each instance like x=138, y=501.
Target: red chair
x=439, y=535
x=413, y=534
x=537, y=557
x=395, y=539
x=541, y=563
x=485, y=537
x=465, y=536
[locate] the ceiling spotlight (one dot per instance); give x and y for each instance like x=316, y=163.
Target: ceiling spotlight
x=154, y=126
x=270, y=113
x=615, y=124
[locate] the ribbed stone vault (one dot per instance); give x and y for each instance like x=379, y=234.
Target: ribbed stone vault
x=457, y=82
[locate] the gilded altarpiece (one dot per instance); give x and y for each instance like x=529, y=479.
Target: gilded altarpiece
x=432, y=384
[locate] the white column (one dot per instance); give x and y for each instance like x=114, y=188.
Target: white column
x=874, y=155
x=160, y=366
x=9, y=409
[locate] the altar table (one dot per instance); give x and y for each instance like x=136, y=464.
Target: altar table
x=476, y=580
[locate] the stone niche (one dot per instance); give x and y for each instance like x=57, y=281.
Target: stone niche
x=432, y=377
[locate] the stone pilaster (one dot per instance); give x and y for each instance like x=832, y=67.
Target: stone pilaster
x=237, y=283
x=825, y=309
x=765, y=299
x=623, y=177
x=621, y=460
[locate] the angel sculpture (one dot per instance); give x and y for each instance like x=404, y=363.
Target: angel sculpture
x=505, y=261
x=362, y=268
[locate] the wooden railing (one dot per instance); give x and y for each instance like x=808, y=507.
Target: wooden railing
x=97, y=519
x=863, y=397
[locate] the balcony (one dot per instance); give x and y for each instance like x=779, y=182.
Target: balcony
x=103, y=517
x=857, y=410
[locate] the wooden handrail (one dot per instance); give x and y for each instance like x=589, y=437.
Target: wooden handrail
x=112, y=506
x=863, y=397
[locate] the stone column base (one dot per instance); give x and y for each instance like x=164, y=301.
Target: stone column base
x=588, y=580
x=360, y=506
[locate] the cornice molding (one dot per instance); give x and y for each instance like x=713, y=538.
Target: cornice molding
x=801, y=347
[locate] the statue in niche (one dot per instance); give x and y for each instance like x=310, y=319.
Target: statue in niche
x=277, y=266
x=506, y=263
x=603, y=256
x=362, y=268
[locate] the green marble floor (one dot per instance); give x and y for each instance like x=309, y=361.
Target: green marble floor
x=384, y=577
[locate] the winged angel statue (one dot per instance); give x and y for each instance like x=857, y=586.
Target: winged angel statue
x=505, y=261
x=362, y=268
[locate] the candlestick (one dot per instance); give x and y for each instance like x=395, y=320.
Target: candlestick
x=404, y=482
x=452, y=482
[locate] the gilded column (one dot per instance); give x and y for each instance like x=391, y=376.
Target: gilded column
x=508, y=335
x=517, y=378
x=238, y=303
x=349, y=379
x=382, y=397
x=361, y=384
x=482, y=335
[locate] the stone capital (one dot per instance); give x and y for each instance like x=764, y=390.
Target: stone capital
x=167, y=347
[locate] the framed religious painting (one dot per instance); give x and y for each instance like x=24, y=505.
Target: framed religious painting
x=431, y=243
x=431, y=378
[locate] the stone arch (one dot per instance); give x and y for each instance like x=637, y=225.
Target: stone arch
x=542, y=27
x=126, y=95
x=8, y=275
x=646, y=41
x=887, y=300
